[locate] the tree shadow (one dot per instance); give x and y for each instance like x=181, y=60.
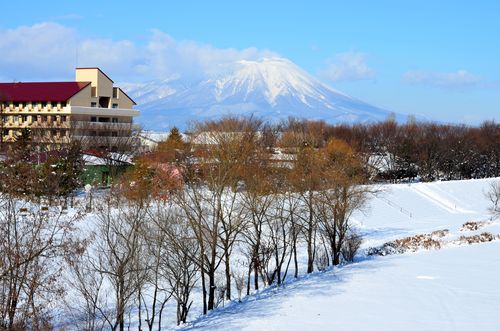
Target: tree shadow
x=268, y=302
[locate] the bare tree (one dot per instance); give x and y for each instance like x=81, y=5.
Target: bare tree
x=34, y=243
x=493, y=196
x=258, y=197
x=88, y=293
x=240, y=279
x=341, y=195
x=307, y=179
x=119, y=246
x=278, y=229
x=179, y=252
x=209, y=199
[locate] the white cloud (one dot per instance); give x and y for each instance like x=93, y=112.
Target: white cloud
x=168, y=56
x=114, y=56
x=347, y=67
x=452, y=80
x=38, y=50
x=50, y=51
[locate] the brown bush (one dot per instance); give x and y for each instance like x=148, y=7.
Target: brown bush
x=351, y=246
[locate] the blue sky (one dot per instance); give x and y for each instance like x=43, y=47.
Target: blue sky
x=435, y=58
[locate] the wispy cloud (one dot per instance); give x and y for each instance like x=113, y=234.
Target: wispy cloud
x=51, y=51
x=459, y=79
x=347, y=66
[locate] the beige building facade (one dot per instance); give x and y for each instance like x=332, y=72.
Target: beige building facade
x=90, y=109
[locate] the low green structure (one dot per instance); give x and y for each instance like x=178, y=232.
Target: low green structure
x=100, y=175
x=100, y=170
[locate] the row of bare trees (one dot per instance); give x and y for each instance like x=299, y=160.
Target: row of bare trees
x=430, y=151
x=239, y=220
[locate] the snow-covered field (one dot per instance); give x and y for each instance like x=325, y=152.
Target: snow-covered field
x=454, y=288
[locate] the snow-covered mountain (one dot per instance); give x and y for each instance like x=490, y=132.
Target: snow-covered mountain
x=271, y=89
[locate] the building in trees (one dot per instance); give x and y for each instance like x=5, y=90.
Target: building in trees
x=90, y=110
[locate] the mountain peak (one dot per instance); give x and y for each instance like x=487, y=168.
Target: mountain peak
x=273, y=77
x=271, y=88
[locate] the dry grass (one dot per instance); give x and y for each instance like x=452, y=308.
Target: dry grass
x=477, y=238
x=440, y=233
x=431, y=241
x=473, y=225
x=410, y=244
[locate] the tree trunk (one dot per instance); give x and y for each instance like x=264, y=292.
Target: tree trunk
x=211, y=290
x=204, y=289
x=228, y=274
x=248, y=278
x=120, y=305
x=256, y=270
x=295, y=260
x=310, y=239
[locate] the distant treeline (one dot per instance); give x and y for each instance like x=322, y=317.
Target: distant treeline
x=397, y=152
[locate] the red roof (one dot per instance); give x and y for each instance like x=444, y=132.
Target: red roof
x=43, y=92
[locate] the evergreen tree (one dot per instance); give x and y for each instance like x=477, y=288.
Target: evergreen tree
x=174, y=139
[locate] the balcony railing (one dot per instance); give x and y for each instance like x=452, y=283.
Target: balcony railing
x=42, y=139
x=50, y=125
x=103, y=125
x=103, y=111
x=54, y=109
x=37, y=125
x=105, y=140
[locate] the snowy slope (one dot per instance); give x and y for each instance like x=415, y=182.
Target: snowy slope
x=450, y=289
x=432, y=206
x=455, y=288
x=271, y=89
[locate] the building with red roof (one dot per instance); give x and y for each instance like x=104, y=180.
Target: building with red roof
x=90, y=109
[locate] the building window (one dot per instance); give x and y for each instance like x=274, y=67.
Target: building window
x=63, y=104
x=93, y=104
x=114, y=134
x=115, y=105
x=93, y=119
x=114, y=120
x=63, y=118
x=94, y=91
x=115, y=92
